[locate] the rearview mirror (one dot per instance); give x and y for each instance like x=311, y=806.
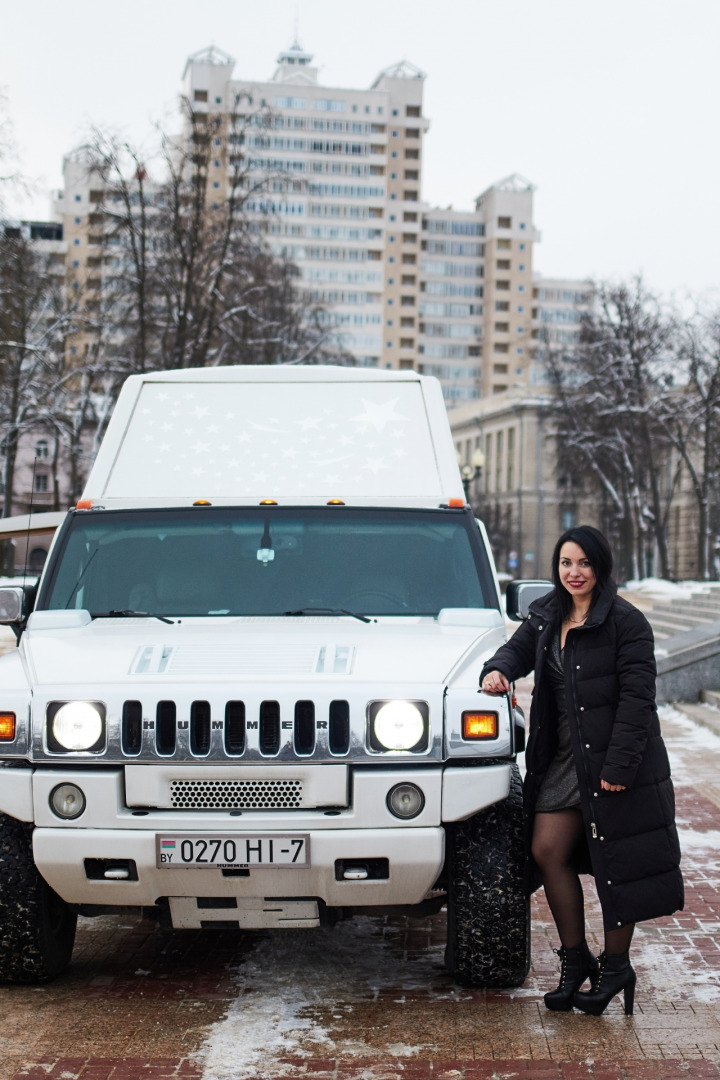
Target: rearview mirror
x=14, y=605
x=521, y=594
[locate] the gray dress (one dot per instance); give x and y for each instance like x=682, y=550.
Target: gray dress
x=559, y=790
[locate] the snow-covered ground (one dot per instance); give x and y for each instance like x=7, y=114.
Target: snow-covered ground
x=659, y=589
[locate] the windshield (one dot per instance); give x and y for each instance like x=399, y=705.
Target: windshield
x=270, y=561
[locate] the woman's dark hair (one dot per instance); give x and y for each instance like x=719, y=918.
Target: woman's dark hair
x=599, y=555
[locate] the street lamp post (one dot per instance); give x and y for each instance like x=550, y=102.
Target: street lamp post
x=471, y=472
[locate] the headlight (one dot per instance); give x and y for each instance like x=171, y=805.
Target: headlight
x=76, y=725
x=398, y=725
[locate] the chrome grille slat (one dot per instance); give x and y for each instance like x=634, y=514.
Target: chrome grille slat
x=339, y=734
x=200, y=728
x=234, y=729
x=304, y=727
x=269, y=728
x=132, y=727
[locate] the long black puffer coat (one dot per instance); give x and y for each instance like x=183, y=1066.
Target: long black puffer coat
x=610, y=687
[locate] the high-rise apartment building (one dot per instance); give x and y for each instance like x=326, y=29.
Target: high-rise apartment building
x=334, y=177
x=343, y=173
x=408, y=286
x=557, y=310
x=476, y=293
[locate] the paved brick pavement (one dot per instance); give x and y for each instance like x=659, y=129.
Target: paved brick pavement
x=370, y=1000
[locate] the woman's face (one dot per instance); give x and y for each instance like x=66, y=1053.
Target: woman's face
x=576, y=573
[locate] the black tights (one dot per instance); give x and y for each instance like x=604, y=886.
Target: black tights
x=555, y=837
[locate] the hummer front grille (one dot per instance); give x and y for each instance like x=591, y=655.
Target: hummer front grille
x=168, y=729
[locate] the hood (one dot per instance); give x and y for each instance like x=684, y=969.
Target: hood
x=131, y=651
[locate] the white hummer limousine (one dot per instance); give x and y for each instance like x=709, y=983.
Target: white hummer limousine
x=245, y=692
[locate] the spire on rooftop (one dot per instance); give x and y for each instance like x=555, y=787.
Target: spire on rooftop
x=295, y=55
x=295, y=65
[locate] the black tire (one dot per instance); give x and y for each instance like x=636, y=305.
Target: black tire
x=488, y=912
x=37, y=927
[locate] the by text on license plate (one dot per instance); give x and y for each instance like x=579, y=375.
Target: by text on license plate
x=206, y=851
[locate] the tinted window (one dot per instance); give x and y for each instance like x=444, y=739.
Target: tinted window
x=216, y=561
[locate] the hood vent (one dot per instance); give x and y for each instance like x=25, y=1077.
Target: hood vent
x=241, y=661
x=334, y=659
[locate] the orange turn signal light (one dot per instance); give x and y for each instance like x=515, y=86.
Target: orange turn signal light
x=454, y=503
x=268, y=502
x=7, y=726
x=83, y=504
x=202, y=502
x=480, y=725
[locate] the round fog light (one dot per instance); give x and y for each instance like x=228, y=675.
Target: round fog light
x=67, y=801
x=405, y=800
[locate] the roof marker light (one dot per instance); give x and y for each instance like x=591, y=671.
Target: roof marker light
x=454, y=503
x=336, y=502
x=268, y=502
x=202, y=502
x=83, y=504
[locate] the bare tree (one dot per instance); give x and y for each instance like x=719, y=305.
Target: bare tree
x=696, y=429
x=615, y=399
x=189, y=280
x=34, y=324
x=9, y=168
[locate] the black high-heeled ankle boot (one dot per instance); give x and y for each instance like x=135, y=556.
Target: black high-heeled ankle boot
x=616, y=974
x=576, y=965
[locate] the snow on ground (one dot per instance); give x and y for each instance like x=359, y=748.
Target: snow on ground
x=659, y=589
x=302, y=993
x=293, y=973
x=696, y=739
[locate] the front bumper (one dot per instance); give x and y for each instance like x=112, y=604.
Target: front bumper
x=363, y=830
x=415, y=858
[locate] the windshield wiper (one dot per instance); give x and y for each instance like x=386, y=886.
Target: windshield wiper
x=328, y=611
x=127, y=613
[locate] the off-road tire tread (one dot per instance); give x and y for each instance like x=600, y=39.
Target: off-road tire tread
x=37, y=928
x=488, y=911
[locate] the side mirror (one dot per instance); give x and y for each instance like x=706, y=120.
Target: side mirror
x=15, y=604
x=521, y=594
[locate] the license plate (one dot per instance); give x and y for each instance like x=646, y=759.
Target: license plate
x=291, y=851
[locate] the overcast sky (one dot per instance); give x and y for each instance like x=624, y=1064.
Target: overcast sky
x=610, y=108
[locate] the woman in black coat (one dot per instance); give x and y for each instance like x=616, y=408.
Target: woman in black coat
x=598, y=793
